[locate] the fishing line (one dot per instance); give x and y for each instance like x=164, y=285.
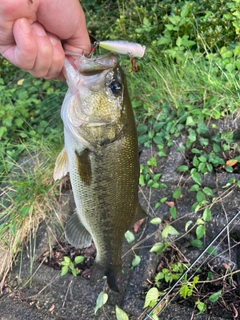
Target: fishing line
x=148, y=316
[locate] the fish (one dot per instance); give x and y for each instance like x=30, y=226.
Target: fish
x=101, y=155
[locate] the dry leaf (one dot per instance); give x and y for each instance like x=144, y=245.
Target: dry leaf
x=52, y=308
x=137, y=225
x=20, y=82
x=226, y=266
x=231, y=162
x=170, y=203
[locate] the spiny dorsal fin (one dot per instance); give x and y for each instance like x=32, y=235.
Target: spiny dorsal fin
x=84, y=166
x=61, y=165
x=76, y=234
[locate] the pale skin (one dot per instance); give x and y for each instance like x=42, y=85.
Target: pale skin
x=32, y=33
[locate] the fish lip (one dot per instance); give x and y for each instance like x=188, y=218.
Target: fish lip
x=87, y=65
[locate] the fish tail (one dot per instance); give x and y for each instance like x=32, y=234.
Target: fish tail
x=112, y=273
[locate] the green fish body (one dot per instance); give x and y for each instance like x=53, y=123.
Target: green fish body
x=101, y=156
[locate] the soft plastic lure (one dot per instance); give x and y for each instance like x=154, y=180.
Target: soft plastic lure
x=131, y=49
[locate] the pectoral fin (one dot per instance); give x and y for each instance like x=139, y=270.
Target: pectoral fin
x=76, y=234
x=140, y=213
x=61, y=165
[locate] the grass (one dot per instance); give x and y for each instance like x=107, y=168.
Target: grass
x=28, y=196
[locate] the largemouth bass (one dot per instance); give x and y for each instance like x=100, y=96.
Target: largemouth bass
x=101, y=156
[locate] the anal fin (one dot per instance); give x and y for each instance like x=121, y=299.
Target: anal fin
x=76, y=234
x=140, y=213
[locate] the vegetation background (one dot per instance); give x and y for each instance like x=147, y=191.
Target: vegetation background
x=188, y=79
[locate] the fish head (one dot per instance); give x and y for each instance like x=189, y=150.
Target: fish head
x=96, y=90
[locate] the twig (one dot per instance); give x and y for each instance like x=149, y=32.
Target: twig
x=65, y=298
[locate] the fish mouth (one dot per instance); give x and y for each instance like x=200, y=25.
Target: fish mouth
x=86, y=65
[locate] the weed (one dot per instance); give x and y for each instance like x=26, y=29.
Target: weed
x=68, y=265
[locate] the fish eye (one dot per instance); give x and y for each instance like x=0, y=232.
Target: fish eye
x=115, y=87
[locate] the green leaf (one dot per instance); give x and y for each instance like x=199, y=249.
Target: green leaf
x=190, y=121
x=169, y=230
x=195, y=161
x=196, y=176
x=184, y=291
x=187, y=225
x=195, y=187
x=196, y=243
x=120, y=314
x=141, y=180
x=157, y=205
x=129, y=236
x=173, y=212
x=179, y=41
x=152, y=162
x=196, y=151
x=79, y=259
x=207, y=215
x=200, y=231
x=202, y=158
x=143, y=138
x=67, y=260
x=157, y=176
x=229, y=169
x=177, y=193
x=151, y=296
x=142, y=128
x=202, y=128
x=200, y=196
x=64, y=270
x=182, y=168
x=136, y=260
x=216, y=148
x=211, y=250
x=201, y=306
x=184, y=11
x=159, y=247
x=182, y=148
x=155, y=221
x=101, y=300
x=208, y=191
x=215, y=296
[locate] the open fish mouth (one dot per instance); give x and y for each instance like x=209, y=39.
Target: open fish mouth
x=87, y=65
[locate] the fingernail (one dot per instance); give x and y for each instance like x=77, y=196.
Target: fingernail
x=38, y=29
x=54, y=40
x=24, y=25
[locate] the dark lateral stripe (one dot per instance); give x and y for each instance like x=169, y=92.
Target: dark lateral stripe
x=84, y=166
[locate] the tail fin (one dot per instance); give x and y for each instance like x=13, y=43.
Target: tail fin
x=112, y=273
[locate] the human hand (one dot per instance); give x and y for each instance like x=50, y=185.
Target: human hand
x=31, y=32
